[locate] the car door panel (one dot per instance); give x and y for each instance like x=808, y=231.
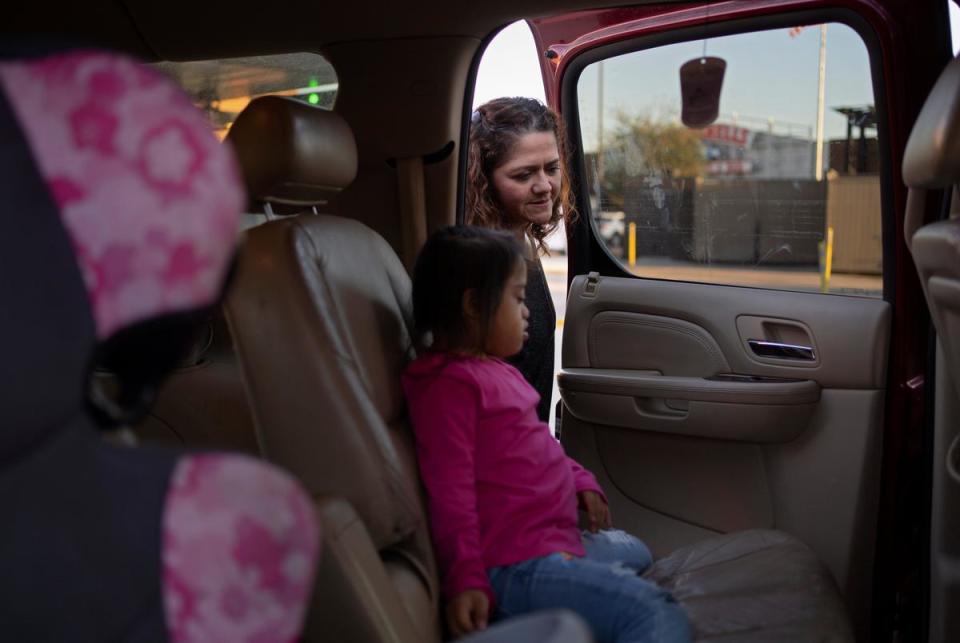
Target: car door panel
x=791, y=444
x=850, y=333
x=617, y=339
x=761, y=411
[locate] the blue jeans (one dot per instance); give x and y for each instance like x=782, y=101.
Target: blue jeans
x=604, y=588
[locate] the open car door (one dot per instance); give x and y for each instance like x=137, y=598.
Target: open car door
x=745, y=338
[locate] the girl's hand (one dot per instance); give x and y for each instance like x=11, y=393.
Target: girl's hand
x=468, y=612
x=598, y=513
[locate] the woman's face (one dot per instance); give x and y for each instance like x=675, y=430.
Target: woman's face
x=528, y=181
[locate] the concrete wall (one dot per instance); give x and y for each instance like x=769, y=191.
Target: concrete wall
x=854, y=212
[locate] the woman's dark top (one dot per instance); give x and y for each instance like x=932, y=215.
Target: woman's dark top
x=535, y=361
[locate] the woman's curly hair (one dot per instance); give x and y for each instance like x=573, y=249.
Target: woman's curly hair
x=494, y=129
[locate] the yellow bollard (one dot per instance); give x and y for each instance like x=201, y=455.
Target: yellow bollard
x=825, y=252
x=632, y=245
x=829, y=255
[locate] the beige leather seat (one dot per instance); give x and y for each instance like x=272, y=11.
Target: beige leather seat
x=932, y=162
x=321, y=315
x=203, y=403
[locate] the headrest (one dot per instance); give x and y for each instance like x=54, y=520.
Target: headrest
x=293, y=153
x=932, y=157
x=149, y=199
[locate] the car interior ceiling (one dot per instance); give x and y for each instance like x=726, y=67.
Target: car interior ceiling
x=368, y=42
x=394, y=115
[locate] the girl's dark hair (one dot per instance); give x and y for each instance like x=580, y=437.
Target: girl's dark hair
x=494, y=129
x=452, y=261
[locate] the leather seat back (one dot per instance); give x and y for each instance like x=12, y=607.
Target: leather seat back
x=202, y=404
x=932, y=161
x=321, y=315
x=936, y=251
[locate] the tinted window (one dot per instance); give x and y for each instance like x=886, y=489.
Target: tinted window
x=742, y=201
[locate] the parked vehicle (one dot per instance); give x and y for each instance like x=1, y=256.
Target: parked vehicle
x=610, y=228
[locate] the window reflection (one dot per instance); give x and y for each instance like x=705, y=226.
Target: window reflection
x=222, y=88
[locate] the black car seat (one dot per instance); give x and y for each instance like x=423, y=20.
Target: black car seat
x=120, y=217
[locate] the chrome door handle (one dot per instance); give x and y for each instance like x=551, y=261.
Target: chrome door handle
x=779, y=350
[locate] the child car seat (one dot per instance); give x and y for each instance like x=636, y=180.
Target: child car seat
x=120, y=214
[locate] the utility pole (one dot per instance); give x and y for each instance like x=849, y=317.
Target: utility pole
x=818, y=165
x=599, y=121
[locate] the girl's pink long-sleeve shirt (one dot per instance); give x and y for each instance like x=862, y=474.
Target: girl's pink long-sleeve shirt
x=500, y=488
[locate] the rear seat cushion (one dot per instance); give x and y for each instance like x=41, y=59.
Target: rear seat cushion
x=757, y=585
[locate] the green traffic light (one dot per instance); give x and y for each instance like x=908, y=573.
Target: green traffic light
x=313, y=99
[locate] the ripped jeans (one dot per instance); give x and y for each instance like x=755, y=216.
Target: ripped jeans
x=604, y=588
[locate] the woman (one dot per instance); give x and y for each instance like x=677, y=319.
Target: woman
x=517, y=180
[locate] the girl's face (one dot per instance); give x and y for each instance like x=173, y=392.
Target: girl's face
x=528, y=181
x=508, y=328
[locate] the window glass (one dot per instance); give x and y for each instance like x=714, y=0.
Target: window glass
x=222, y=88
x=743, y=201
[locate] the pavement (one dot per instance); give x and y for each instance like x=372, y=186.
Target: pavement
x=555, y=269
x=802, y=278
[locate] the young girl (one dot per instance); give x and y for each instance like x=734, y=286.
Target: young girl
x=503, y=497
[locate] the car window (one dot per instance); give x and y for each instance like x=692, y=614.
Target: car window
x=222, y=88
x=762, y=197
